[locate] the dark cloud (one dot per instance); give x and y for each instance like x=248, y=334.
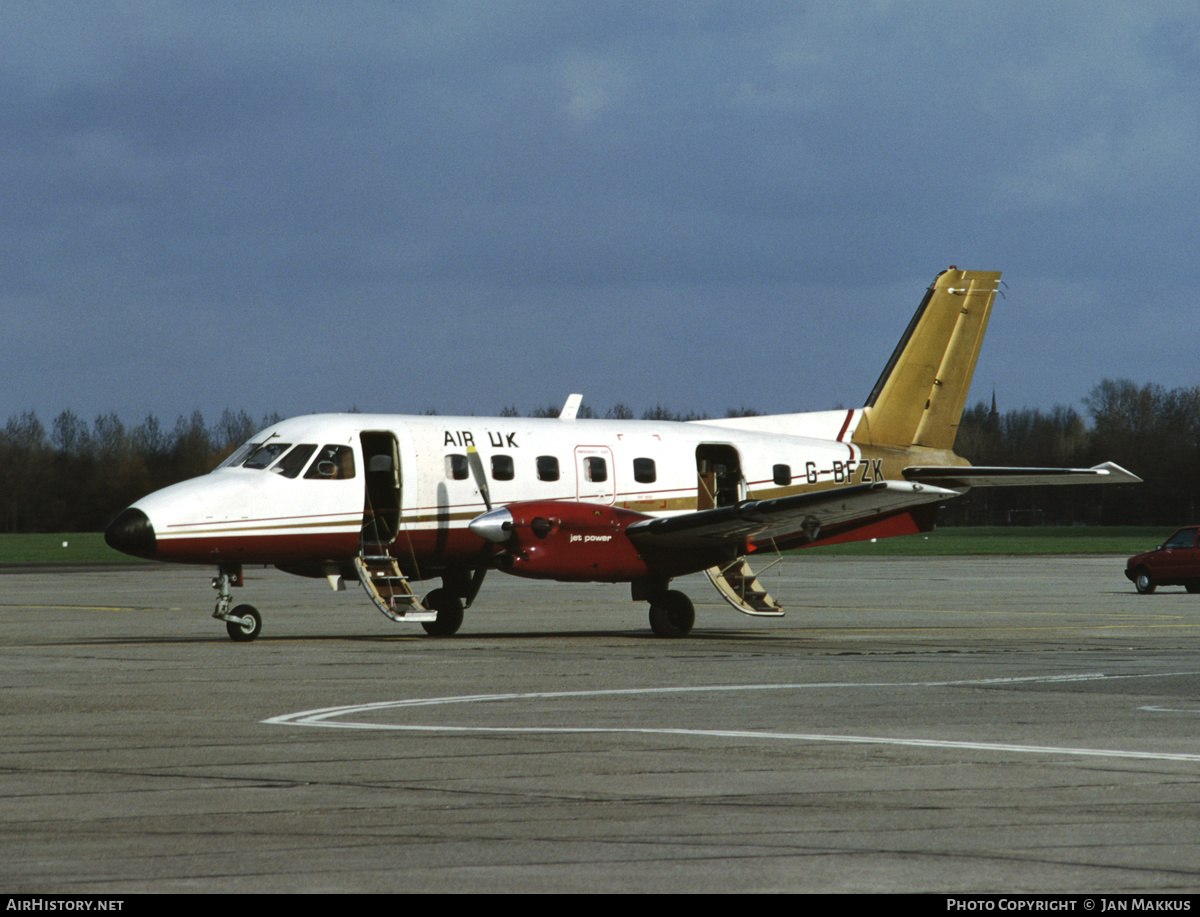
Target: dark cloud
x=398, y=206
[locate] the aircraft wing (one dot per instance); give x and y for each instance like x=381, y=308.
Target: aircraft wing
x=960, y=478
x=762, y=519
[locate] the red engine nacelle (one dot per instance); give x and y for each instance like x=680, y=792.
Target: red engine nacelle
x=583, y=542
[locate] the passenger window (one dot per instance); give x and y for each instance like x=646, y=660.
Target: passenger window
x=293, y=463
x=547, y=468
x=595, y=469
x=265, y=454
x=644, y=471
x=782, y=475
x=502, y=468
x=456, y=467
x=334, y=463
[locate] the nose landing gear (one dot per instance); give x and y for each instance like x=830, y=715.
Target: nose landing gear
x=243, y=623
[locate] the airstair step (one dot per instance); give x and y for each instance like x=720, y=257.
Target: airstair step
x=389, y=589
x=738, y=585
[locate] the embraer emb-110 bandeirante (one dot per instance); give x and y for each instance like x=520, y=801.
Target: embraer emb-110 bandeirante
x=388, y=499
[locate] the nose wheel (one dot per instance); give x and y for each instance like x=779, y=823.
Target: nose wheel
x=243, y=623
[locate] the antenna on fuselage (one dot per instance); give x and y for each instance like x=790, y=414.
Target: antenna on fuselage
x=571, y=407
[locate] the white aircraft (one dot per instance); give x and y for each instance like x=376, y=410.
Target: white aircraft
x=387, y=499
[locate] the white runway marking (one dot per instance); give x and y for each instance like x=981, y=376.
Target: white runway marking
x=336, y=717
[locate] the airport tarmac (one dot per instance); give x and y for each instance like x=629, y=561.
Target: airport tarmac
x=912, y=725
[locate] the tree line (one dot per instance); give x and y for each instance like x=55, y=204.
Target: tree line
x=1148, y=429
x=76, y=476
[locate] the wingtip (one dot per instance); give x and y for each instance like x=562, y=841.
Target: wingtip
x=1120, y=475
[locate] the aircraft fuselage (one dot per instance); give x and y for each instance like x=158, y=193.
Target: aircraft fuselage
x=261, y=515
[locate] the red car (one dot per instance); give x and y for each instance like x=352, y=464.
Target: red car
x=1176, y=562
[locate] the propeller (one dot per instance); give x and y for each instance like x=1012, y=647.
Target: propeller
x=475, y=463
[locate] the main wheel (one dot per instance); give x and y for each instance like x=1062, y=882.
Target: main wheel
x=1143, y=583
x=449, y=610
x=672, y=614
x=242, y=632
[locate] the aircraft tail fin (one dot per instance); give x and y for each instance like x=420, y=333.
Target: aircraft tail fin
x=919, y=398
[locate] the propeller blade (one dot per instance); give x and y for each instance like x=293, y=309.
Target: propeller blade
x=475, y=463
x=476, y=581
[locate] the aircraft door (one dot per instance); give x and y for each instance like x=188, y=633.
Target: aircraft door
x=719, y=476
x=595, y=475
x=381, y=509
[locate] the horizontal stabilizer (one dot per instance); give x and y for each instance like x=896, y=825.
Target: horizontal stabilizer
x=784, y=516
x=958, y=478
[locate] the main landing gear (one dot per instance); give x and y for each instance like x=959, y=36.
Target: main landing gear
x=672, y=614
x=449, y=608
x=243, y=623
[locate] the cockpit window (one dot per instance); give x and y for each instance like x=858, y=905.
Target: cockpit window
x=265, y=454
x=333, y=463
x=293, y=463
x=239, y=454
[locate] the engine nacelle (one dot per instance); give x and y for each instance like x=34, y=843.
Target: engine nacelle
x=551, y=539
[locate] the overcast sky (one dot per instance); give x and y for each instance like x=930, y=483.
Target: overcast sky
x=398, y=206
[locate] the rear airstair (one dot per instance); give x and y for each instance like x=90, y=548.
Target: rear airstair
x=739, y=586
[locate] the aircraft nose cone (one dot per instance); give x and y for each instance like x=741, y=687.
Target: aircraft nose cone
x=131, y=533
